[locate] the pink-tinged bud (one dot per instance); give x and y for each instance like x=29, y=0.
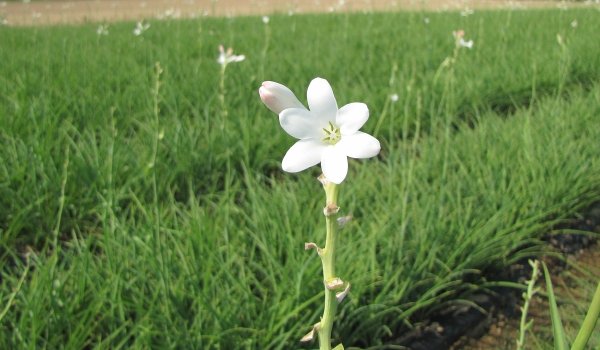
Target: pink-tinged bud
x=458, y=34
x=278, y=97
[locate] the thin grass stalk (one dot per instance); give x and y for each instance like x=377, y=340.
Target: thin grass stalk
x=531, y=291
x=589, y=323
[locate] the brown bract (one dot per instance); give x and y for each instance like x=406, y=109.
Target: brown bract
x=67, y=12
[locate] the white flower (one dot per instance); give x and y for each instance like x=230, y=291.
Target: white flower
x=265, y=19
x=140, y=28
x=459, y=36
x=326, y=134
x=466, y=12
x=394, y=98
x=102, y=29
x=226, y=57
x=464, y=43
x=574, y=24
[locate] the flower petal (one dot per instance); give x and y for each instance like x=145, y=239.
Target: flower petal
x=302, y=155
x=334, y=164
x=237, y=58
x=352, y=117
x=300, y=123
x=321, y=101
x=278, y=97
x=359, y=145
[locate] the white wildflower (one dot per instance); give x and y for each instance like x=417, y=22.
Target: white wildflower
x=326, y=134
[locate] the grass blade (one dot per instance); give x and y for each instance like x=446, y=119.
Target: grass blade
x=560, y=342
x=589, y=322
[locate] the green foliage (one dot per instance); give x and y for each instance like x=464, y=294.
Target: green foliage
x=560, y=341
x=199, y=245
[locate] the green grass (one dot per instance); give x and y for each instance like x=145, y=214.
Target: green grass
x=197, y=243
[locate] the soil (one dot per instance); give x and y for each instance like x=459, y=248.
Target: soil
x=503, y=330
x=495, y=323
x=26, y=12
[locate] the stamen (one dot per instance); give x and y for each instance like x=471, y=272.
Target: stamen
x=332, y=134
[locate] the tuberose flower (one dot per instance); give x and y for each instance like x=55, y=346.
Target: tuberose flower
x=226, y=57
x=140, y=28
x=102, y=29
x=326, y=134
x=459, y=36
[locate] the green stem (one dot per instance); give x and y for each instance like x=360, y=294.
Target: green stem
x=524, y=326
x=222, y=96
x=328, y=259
x=587, y=328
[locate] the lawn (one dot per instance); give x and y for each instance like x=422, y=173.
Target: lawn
x=141, y=209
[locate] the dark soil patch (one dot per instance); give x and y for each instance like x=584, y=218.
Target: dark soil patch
x=454, y=327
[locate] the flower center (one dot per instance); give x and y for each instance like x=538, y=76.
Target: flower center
x=331, y=134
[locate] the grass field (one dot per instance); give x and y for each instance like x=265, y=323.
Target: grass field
x=140, y=210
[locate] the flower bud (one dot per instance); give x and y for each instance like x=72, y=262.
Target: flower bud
x=278, y=97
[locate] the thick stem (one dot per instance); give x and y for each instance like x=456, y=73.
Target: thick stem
x=328, y=259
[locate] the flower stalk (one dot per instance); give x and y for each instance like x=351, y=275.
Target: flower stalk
x=327, y=135
x=327, y=255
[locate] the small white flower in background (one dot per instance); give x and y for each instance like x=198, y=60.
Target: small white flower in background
x=426, y=20
x=140, y=28
x=102, y=29
x=464, y=43
x=169, y=13
x=459, y=37
x=226, y=57
x=326, y=134
x=574, y=24
x=467, y=12
x=265, y=19
x=394, y=98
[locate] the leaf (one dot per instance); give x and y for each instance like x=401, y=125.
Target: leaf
x=587, y=328
x=560, y=342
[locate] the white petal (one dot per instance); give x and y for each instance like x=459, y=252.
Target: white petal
x=352, y=117
x=359, y=145
x=278, y=97
x=302, y=155
x=300, y=123
x=321, y=100
x=238, y=58
x=334, y=164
